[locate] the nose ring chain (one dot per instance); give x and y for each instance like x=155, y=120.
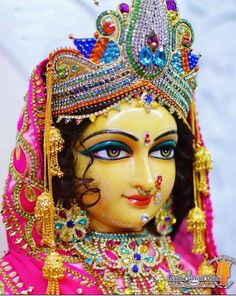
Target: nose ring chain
x=156, y=192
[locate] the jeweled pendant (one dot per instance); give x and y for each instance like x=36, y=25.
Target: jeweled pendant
x=146, y=57
x=160, y=58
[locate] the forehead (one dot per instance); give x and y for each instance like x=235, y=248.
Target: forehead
x=134, y=120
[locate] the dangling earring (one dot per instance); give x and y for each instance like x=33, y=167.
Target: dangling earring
x=165, y=219
x=70, y=225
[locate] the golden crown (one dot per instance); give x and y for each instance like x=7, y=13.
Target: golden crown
x=143, y=51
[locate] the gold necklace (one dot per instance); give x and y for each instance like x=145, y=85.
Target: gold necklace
x=127, y=263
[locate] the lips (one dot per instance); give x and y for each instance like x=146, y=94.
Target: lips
x=139, y=201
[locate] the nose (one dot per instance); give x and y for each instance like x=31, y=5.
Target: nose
x=142, y=176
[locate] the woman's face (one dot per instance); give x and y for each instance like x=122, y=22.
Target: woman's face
x=131, y=148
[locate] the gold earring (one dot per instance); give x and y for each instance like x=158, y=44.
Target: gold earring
x=165, y=219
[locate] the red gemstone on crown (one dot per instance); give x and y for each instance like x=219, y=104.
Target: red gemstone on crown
x=152, y=40
x=108, y=27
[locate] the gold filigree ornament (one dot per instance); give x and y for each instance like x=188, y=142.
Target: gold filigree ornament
x=44, y=213
x=196, y=223
x=53, y=271
x=206, y=270
x=56, y=146
x=203, y=163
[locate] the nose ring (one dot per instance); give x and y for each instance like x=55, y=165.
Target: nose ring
x=142, y=192
x=158, y=194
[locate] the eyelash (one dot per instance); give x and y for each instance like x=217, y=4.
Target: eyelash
x=103, y=149
x=108, y=146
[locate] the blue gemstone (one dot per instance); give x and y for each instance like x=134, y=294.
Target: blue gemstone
x=85, y=46
x=137, y=256
x=185, y=290
x=75, y=68
x=70, y=224
x=82, y=221
x=111, y=53
x=167, y=218
x=146, y=57
x=135, y=268
x=160, y=58
x=148, y=99
x=89, y=261
x=193, y=60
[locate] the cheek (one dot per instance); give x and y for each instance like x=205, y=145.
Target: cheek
x=111, y=177
x=81, y=165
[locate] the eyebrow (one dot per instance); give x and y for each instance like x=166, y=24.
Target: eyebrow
x=173, y=132
x=117, y=132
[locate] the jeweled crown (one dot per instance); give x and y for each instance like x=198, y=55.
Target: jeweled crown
x=140, y=51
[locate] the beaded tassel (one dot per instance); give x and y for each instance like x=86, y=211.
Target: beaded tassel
x=56, y=145
x=196, y=220
x=53, y=271
x=204, y=270
x=44, y=214
x=202, y=164
x=196, y=223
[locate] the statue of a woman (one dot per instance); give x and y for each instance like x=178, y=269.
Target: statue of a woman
x=107, y=190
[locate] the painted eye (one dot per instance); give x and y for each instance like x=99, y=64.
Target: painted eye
x=111, y=153
x=109, y=150
x=165, y=150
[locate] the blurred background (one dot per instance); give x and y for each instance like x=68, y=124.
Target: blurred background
x=29, y=30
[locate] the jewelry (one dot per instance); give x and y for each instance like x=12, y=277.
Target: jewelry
x=144, y=218
x=70, y=225
x=124, y=262
x=142, y=192
x=146, y=138
x=165, y=219
x=196, y=223
x=158, y=196
x=53, y=271
x=44, y=213
x=160, y=62
x=56, y=146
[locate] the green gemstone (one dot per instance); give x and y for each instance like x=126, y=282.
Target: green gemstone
x=59, y=226
x=124, y=251
x=149, y=259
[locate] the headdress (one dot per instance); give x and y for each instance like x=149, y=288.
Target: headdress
x=142, y=52
x=143, y=49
